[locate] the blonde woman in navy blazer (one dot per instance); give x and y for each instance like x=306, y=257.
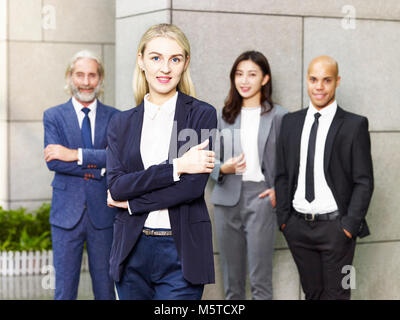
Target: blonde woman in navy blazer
x=244, y=196
x=162, y=246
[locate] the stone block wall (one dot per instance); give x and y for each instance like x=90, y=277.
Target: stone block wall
x=362, y=35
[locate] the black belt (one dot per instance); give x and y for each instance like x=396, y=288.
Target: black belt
x=318, y=217
x=157, y=233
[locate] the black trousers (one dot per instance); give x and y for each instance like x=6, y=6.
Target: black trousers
x=320, y=250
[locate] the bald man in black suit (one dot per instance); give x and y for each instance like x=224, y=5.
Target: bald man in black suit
x=324, y=184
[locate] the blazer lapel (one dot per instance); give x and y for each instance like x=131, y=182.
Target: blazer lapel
x=235, y=146
x=182, y=110
x=99, y=128
x=135, y=135
x=236, y=139
x=263, y=132
x=333, y=130
x=72, y=124
x=296, y=137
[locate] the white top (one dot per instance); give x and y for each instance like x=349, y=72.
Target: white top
x=157, y=128
x=250, y=122
x=92, y=118
x=324, y=201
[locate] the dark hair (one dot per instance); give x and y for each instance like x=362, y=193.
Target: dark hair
x=233, y=103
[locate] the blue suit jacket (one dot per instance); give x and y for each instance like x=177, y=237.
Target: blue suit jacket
x=155, y=189
x=72, y=194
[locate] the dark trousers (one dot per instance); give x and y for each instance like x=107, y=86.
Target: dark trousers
x=320, y=250
x=153, y=272
x=67, y=254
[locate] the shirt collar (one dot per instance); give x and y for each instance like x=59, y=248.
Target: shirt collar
x=78, y=106
x=152, y=109
x=326, y=112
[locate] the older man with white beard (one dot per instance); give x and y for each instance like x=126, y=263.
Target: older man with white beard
x=75, y=149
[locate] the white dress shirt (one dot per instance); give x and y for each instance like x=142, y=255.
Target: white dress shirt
x=81, y=115
x=324, y=201
x=157, y=128
x=249, y=124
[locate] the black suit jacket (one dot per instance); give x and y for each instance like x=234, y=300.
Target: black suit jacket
x=347, y=167
x=154, y=189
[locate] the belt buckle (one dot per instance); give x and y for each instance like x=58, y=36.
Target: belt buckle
x=148, y=232
x=312, y=217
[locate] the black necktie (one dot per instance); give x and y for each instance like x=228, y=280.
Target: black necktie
x=310, y=160
x=86, y=130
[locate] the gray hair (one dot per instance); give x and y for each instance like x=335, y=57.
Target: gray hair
x=79, y=55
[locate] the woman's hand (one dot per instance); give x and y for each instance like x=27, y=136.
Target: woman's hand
x=115, y=204
x=196, y=160
x=271, y=194
x=235, y=165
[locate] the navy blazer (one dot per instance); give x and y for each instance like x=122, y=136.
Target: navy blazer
x=154, y=189
x=72, y=194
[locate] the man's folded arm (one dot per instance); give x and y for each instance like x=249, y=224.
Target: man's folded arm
x=94, y=157
x=52, y=137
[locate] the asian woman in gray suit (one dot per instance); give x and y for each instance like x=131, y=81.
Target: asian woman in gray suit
x=244, y=196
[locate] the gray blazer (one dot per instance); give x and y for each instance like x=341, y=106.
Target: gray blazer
x=228, y=187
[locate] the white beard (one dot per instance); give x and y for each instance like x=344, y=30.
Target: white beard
x=85, y=97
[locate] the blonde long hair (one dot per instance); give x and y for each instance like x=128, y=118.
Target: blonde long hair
x=140, y=86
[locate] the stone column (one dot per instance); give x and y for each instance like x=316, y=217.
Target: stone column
x=42, y=36
x=3, y=105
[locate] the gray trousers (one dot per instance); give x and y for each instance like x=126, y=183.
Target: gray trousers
x=246, y=236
